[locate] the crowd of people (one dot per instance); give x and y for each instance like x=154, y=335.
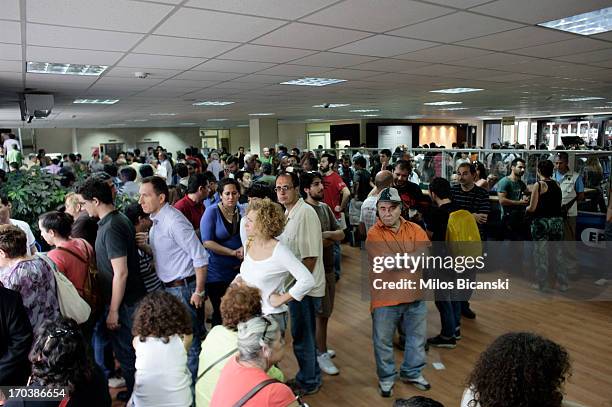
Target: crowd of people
x=146, y=238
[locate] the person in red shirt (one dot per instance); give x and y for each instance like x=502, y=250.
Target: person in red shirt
x=191, y=205
x=71, y=256
x=260, y=346
x=336, y=195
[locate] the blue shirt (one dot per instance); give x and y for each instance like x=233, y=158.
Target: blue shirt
x=176, y=248
x=557, y=176
x=212, y=201
x=220, y=267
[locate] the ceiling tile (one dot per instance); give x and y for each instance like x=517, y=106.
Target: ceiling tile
x=376, y=16
x=10, y=51
x=72, y=56
x=109, y=14
x=351, y=74
x=134, y=83
x=10, y=10
x=563, y=48
x=212, y=25
x=299, y=35
x=159, y=61
x=264, y=79
x=459, y=3
x=163, y=92
x=187, y=84
x=286, y=9
x=208, y=76
x=443, y=53
x=384, y=46
x=10, y=77
x=604, y=36
x=294, y=70
x=456, y=27
x=508, y=77
x=588, y=57
x=533, y=12
x=233, y=85
x=333, y=60
x=10, y=31
x=494, y=60
x=390, y=65
x=436, y=70
x=261, y=53
x=68, y=37
x=223, y=65
x=11, y=66
x=521, y=38
x=187, y=47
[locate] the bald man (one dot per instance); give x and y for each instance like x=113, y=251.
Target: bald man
x=367, y=218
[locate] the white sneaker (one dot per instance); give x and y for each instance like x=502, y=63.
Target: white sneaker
x=116, y=382
x=601, y=282
x=331, y=353
x=326, y=364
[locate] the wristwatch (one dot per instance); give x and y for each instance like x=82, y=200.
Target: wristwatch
x=200, y=294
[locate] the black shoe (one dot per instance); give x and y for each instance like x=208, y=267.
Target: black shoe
x=123, y=396
x=299, y=390
x=468, y=313
x=440, y=342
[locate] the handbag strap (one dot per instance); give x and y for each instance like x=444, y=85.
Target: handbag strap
x=216, y=362
x=81, y=259
x=254, y=391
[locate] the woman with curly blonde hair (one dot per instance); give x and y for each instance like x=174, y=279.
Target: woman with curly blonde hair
x=269, y=265
x=162, y=334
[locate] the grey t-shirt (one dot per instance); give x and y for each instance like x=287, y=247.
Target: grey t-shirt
x=328, y=224
x=117, y=238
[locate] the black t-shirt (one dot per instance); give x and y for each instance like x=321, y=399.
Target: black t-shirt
x=412, y=197
x=117, y=238
x=362, y=176
x=436, y=220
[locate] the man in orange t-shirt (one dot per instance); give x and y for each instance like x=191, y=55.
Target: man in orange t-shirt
x=395, y=293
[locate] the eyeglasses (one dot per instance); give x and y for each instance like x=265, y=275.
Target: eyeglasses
x=284, y=188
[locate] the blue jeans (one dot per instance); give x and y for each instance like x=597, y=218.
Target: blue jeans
x=337, y=258
x=303, y=327
x=413, y=317
x=121, y=341
x=184, y=293
x=450, y=317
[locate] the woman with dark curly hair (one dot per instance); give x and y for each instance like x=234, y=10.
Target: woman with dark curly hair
x=519, y=369
x=60, y=358
x=239, y=304
x=162, y=335
x=268, y=263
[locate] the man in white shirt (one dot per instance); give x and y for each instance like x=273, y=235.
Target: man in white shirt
x=164, y=169
x=5, y=219
x=9, y=142
x=302, y=235
x=367, y=218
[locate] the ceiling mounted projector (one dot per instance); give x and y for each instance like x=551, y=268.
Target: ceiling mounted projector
x=35, y=106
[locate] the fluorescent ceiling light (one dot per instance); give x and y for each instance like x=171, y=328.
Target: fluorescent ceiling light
x=187, y=124
x=448, y=109
x=497, y=110
x=243, y=125
x=583, y=99
x=65, y=69
x=117, y=124
x=444, y=103
x=261, y=114
x=212, y=103
x=217, y=120
x=138, y=120
x=332, y=105
x=96, y=101
x=313, y=81
x=163, y=114
x=313, y=120
x=363, y=110
x=456, y=90
x=370, y=115
x=593, y=22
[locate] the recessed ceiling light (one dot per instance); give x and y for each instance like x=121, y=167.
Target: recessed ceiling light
x=583, y=99
x=187, y=124
x=163, y=114
x=96, y=101
x=443, y=103
x=217, y=120
x=456, y=90
x=243, y=125
x=332, y=105
x=65, y=69
x=313, y=81
x=363, y=110
x=497, y=110
x=212, y=103
x=448, y=109
x=593, y=22
x=138, y=120
x=261, y=114
x=370, y=115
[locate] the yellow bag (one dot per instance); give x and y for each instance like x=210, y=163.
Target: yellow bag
x=463, y=235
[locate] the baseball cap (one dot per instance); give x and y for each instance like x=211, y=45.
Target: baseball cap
x=389, y=195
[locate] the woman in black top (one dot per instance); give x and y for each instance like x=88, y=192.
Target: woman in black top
x=547, y=225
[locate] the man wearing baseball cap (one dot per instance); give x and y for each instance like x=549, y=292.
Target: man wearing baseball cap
x=395, y=294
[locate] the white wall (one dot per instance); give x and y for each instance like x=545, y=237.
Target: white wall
x=292, y=135
x=240, y=137
x=54, y=140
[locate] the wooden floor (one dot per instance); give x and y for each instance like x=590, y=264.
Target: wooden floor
x=584, y=328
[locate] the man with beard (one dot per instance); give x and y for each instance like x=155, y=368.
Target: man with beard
x=410, y=193
x=311, y=189
x=510, y=190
